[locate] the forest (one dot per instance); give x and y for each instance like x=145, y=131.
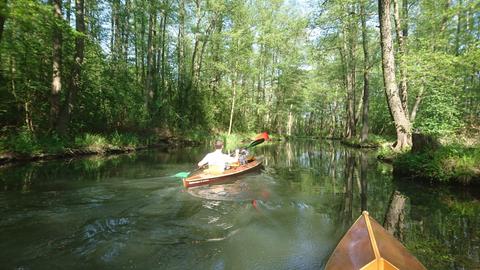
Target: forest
x=325, y=69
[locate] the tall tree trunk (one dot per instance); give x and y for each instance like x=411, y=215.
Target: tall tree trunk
x=126, y=31
x=402, y=123
x=405, y=18
x=234, y=96
x=216, y=55
x=181, y=52
x=68, y=9
x=402, y=53
x=75, y=83
x=418, y=99
x=164, y=52
x=459, y=28
x=290, y=121
x=3, y=16
x=350, y=105
x=117, y=38
x=150, y=50
x=57, y=64
x=194, y=67
x=443, y=26
x=366, y=67
x=135, y=43
x=349, y=47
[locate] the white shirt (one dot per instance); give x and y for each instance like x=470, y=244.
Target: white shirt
x=217, y=159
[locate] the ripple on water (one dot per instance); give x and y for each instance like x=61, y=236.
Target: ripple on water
x=102, y=235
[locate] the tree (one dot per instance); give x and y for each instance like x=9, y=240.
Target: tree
x=3, y=16
x=402, y=123
x=366, y=67
x=57, y=63
x=75, y=83
x=402, y=33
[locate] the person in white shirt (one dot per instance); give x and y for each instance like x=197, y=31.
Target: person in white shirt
x=217, y=161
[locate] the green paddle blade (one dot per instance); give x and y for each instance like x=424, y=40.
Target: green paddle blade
x=182, y=174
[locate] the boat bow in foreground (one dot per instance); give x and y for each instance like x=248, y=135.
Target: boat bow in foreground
x=368, y=246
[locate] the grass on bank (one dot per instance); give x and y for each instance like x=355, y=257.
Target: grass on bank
x=25, y=143
x=455, y=160
x=28, y=144
x=453, y=163
x=236, y=140
x=373, y=141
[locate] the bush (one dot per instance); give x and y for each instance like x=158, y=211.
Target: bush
x=22, y=142
x=92, y=142
x=451, y=163
x=124, y=140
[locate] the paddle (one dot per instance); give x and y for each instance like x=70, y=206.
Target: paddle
x=254, y=143
x=260, y=139
x=186, y=174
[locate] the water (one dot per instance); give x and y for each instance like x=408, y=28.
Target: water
x=127, y=212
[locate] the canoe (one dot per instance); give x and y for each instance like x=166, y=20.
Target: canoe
x=368, y=246
x=201, y=178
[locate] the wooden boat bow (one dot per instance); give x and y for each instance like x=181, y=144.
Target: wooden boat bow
x=368, y=246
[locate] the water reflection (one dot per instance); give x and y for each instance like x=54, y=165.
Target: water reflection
x=128, y=212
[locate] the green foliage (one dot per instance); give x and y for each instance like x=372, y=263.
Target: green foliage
x=94, y=142
x=24, y=142
x=124, y=140
x=373, y=141
x=196, y=135
x=448, y=164
x=231, y=141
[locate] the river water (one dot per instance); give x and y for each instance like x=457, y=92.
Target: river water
x=128, y=212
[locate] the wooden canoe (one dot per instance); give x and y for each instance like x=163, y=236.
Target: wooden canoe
x=201, y=178
x=368, y=246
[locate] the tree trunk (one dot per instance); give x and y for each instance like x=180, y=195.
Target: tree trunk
x=68, y=8
x=402, y=52
x=150, y=70
x=402, y=123
x=234, y=95
x=195, y=63
x=290, y=121
x=365, y=107
x=3, y=16
x=57, y=64
x=75, y=83
x=180, y=49
x=164, y=48
x=459, y=28
x=126, y=31
x=117, y=37
x=349, y=47
x=418, y=99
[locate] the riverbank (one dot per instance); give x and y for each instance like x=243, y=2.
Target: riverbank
x=24, y=147
x=453, y=160
x=372, y=142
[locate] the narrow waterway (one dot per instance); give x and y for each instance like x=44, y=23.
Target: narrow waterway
x=128, y=212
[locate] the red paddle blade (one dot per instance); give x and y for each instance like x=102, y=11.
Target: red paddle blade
x=263, y=135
